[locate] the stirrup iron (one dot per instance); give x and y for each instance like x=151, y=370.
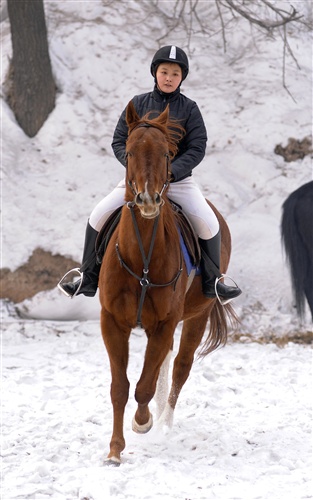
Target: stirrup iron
x=223, y=302
x=80, y=276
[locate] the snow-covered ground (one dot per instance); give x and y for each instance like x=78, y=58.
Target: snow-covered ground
x=242, y=428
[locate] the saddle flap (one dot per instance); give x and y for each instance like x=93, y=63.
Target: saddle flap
x=106, y=232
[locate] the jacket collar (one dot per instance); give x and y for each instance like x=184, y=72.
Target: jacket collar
x=162, y=96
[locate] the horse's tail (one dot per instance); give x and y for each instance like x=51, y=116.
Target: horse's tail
x=295, y=251
x=220, y=317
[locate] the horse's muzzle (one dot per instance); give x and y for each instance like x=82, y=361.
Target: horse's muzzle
x=149, y=206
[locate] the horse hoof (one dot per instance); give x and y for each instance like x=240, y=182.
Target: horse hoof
x=142, y=429
x=112, y=461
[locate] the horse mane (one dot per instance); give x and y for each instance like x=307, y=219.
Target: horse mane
x=172, y=130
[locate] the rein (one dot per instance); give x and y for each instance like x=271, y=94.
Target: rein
x=144, y=280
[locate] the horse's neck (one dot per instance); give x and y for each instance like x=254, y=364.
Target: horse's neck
x=128, y=238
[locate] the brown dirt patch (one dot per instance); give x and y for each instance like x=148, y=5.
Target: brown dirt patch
x=295, y=149
x=280, y=341
x=42, y=272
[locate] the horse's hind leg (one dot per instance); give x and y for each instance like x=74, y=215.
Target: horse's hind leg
x=116, y=342
x=192, y=333
x=161, y=393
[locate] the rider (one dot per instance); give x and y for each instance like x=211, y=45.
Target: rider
x=169, y=68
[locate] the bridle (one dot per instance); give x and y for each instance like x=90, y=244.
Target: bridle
x=144, y=280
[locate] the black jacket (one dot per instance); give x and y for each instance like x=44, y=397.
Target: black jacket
x=191, y=149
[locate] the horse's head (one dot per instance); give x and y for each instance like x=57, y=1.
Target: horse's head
x=150, y=145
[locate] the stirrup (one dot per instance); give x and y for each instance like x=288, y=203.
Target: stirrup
x=80, y=274
x=223, y=302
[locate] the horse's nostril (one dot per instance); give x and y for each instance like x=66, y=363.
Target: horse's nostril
x=138, y=199
x=157, y=198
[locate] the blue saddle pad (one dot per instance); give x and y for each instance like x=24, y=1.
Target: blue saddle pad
x=188, y=262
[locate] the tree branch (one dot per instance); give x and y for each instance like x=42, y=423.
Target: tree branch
x=222, y=24
x=265, y=24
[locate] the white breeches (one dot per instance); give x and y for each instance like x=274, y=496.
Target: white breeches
x=186, y=193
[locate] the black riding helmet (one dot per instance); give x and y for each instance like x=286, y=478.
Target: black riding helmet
x=171, y=54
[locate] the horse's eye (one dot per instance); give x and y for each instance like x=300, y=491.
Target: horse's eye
x=129, y=154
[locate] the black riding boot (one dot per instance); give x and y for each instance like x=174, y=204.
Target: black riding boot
x=210, y=269
x=87, y=284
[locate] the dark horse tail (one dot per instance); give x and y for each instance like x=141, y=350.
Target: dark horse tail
x=297, y=240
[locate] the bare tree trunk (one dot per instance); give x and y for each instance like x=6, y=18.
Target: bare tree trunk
x=32, y=89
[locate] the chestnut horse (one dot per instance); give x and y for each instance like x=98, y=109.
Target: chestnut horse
x=143, y=281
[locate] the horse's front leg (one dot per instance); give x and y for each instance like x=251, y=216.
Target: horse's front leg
x=158, y=347
x=116, y=342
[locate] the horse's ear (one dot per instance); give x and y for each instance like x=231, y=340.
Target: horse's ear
x=131, y=114
x=163, y=118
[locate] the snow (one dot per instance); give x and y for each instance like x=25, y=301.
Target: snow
x=242, y=427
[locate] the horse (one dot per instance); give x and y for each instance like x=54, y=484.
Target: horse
x=297, y=241
x=143, y=281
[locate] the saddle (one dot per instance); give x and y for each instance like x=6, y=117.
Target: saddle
x=188, y=236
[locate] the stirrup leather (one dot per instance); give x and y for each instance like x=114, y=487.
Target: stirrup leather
x=223, y=302
x=62, y=280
